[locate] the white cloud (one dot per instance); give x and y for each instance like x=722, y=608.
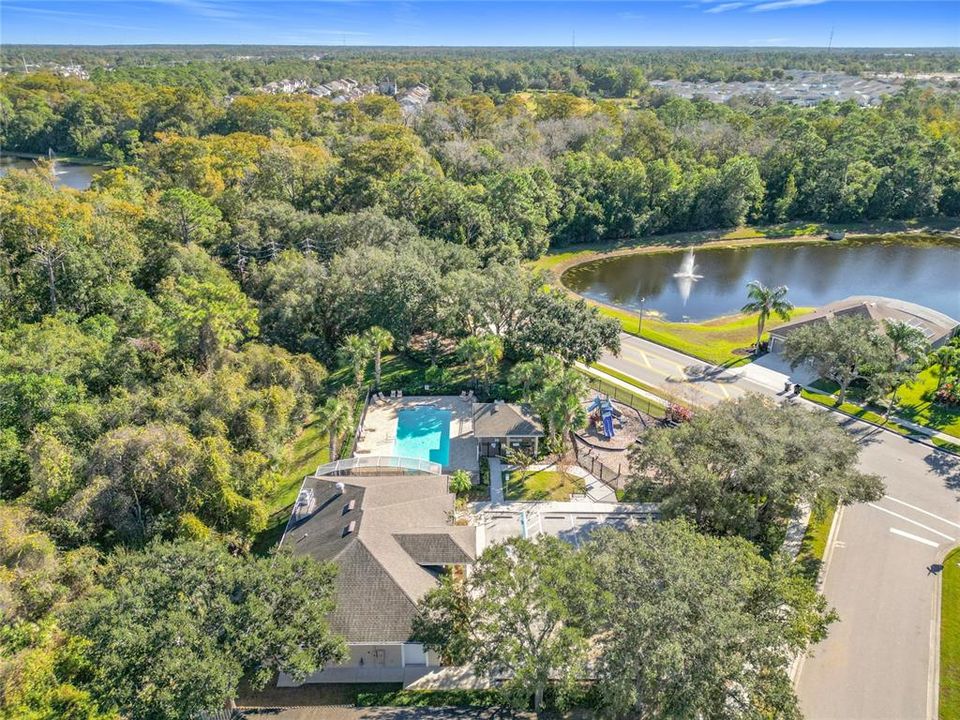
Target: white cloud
x=724, y=7
x=784, y=5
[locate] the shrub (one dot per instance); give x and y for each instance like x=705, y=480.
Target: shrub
x=678, y=413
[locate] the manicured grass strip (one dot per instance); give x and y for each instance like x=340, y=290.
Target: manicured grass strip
x=618, y=393
x=814, y=543
x=542, y=485
x=855, y=410
x=944, y=445
x=306, y=453
x=429, y=698
x=950, y=638
x=719, y=341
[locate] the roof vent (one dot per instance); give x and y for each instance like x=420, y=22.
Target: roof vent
x=350, y=528
x=340, y=487
x=349, y=506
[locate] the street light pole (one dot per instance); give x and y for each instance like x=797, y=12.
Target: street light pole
x=640, y=326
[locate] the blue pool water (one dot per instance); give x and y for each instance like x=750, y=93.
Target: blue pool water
x=423, y=432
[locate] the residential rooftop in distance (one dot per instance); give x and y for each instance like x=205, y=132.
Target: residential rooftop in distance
x=937, y=327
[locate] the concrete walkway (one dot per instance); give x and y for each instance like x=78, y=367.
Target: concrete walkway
x=496, y=481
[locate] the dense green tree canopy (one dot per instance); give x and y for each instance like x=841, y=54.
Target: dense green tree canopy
x=188, y=621
x=740, y=467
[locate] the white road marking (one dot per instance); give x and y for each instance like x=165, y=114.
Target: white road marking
x=925, y=512
x=919, y=539
x=913, y=522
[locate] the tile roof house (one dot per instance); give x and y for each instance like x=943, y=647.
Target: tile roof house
x=390, y=536
x=500, y=427
x=936, y=327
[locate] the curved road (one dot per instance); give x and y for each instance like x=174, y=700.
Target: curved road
x=882, y=576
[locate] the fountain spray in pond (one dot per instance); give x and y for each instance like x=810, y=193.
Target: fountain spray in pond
x=687, y=276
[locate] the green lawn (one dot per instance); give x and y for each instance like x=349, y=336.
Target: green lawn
x=716, y=341
x=856, y=410
x=915, y=404
x=950, y=638
x=307, y=452
x=410, y=372
x=542, y=485
x=814, y=543
x=952, y=447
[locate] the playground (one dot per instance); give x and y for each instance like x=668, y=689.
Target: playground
x=612, y=425
x=612, y=429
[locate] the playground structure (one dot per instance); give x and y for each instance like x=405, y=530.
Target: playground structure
x=602, y=412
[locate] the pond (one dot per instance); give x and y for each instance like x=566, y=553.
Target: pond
x=71, y=175
x=711, y=282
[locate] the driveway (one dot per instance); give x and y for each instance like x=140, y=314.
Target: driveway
x=882, y=578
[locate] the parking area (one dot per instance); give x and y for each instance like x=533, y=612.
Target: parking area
x=570, y=521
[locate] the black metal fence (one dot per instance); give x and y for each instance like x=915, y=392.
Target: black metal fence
x=612, y=478
x=636, y=401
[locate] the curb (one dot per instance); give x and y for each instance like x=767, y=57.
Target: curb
x=933, y=682
x=797, y=664
x=913, y=437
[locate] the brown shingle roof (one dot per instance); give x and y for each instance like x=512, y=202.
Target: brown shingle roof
x=498, y=420
x=400, y=524
x=935, y=325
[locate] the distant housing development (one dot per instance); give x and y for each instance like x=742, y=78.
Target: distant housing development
x=800, y=87
x=343, y=90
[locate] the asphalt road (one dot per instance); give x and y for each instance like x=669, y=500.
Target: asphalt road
x=882, y=577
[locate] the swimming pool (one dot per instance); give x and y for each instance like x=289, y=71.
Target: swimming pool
x=423, y=432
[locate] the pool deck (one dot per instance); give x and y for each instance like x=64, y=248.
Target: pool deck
x=380, y=428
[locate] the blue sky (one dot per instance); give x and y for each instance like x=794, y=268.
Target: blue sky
x=934, y=23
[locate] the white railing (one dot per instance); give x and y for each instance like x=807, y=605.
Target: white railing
x=379, y=461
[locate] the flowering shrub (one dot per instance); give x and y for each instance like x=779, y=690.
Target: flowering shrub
x=949, y=393
x=679, y=413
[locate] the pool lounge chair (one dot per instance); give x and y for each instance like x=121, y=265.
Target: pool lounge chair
x=399, y=394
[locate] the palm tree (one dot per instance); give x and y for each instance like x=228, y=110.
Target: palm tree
x=766, y=301
x=946, y=358
x=560, y=404
x=336, y=418
x=379, y=340
x=483, y=354
x=355, y=352
x=907, y=343
x=460, y=482
x=532, y=375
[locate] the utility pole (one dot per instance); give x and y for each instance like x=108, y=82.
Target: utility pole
x=640, y=325
x=830, y=43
